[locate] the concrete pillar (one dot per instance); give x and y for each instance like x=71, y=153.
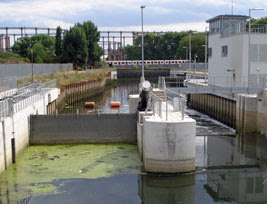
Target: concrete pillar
x=7, y=41
x=247, y=106
x=21, y=33
x=133, y=102
x=2, y=42
x=169, y=146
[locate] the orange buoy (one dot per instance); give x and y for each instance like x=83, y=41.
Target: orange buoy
x=115, y=104
x=89, y=104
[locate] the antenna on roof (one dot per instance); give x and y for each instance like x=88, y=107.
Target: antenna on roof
x=232, y=7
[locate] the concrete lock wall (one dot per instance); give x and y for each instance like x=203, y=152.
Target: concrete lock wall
x=77, y=129
x=18, y=127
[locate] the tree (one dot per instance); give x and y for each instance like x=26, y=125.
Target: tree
x=75, y=46
x=21, y=48
x=38, y=52
x=156, y=46
x=45, y=47
x=58, y=45
x=92, y=35
x=197, y=40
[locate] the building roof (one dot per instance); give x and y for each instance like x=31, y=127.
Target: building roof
x=240, y=17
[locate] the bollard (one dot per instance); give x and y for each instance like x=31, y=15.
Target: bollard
x=13, y=149
x=77, y=112
x=56, y=112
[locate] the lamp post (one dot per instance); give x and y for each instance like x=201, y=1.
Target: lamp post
x=142, y=22
x=249, y=33
x=32, y=63
x=206, y=54
x=186, y=52
x=190, y=54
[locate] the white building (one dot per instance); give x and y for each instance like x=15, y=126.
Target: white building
x=228, y=51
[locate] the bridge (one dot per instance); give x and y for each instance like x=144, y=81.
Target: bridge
x=112, y=42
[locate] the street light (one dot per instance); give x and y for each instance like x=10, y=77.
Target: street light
x=190, y=54
x=186, y=52
x=32, y=63
x=249, y=33
x=206, y=53
x=142, y=22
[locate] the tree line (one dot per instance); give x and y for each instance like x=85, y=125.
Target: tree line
x=167, y=46
x=79, y=46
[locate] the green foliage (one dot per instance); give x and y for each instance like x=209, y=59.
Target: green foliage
x=75, y=46
x=156, y=47
x=92, y=36
x=197, y=40
x=80, y=45
x=259, y=21
x=58, y=44
x=38, y=52
x=6, y=57
x=43, y=47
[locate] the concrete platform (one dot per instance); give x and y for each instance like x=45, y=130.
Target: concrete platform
x=167, y=145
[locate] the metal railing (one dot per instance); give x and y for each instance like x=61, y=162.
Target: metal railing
x=171, y=102
x=23, y=98
x=255, y=28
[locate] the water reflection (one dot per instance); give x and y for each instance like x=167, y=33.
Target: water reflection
x=239, y=187
x=229, y=152
x=155, y=189
x=102, y=101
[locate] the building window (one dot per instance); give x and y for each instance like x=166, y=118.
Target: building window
x=224, y=51
x=210, y=52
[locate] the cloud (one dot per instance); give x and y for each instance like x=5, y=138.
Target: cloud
x=197, y=26
x=120, y=13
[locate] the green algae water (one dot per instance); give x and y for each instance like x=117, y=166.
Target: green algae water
x=39, y=166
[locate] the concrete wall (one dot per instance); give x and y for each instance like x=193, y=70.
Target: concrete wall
x=70, y=129
x=21, y=126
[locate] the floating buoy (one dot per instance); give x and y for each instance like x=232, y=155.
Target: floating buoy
x=115, y=104
x=89, y=104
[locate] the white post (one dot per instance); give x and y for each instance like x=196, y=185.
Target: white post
x=206, y=54
x=143, y=74
x=190, y=54
x=249, y=35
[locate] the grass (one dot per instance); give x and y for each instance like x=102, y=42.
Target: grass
x=68, y=77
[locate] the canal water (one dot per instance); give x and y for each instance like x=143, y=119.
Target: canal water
x=228, y=169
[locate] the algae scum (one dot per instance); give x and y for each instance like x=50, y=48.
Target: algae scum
x=39, y=168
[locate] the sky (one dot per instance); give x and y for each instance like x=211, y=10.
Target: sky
x=164, y=15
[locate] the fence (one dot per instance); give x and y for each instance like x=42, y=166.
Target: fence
x=11, y=73
x=25, y=70
x=194, y=66
x=8, y=83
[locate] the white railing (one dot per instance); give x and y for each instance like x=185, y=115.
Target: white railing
x=23, y=98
